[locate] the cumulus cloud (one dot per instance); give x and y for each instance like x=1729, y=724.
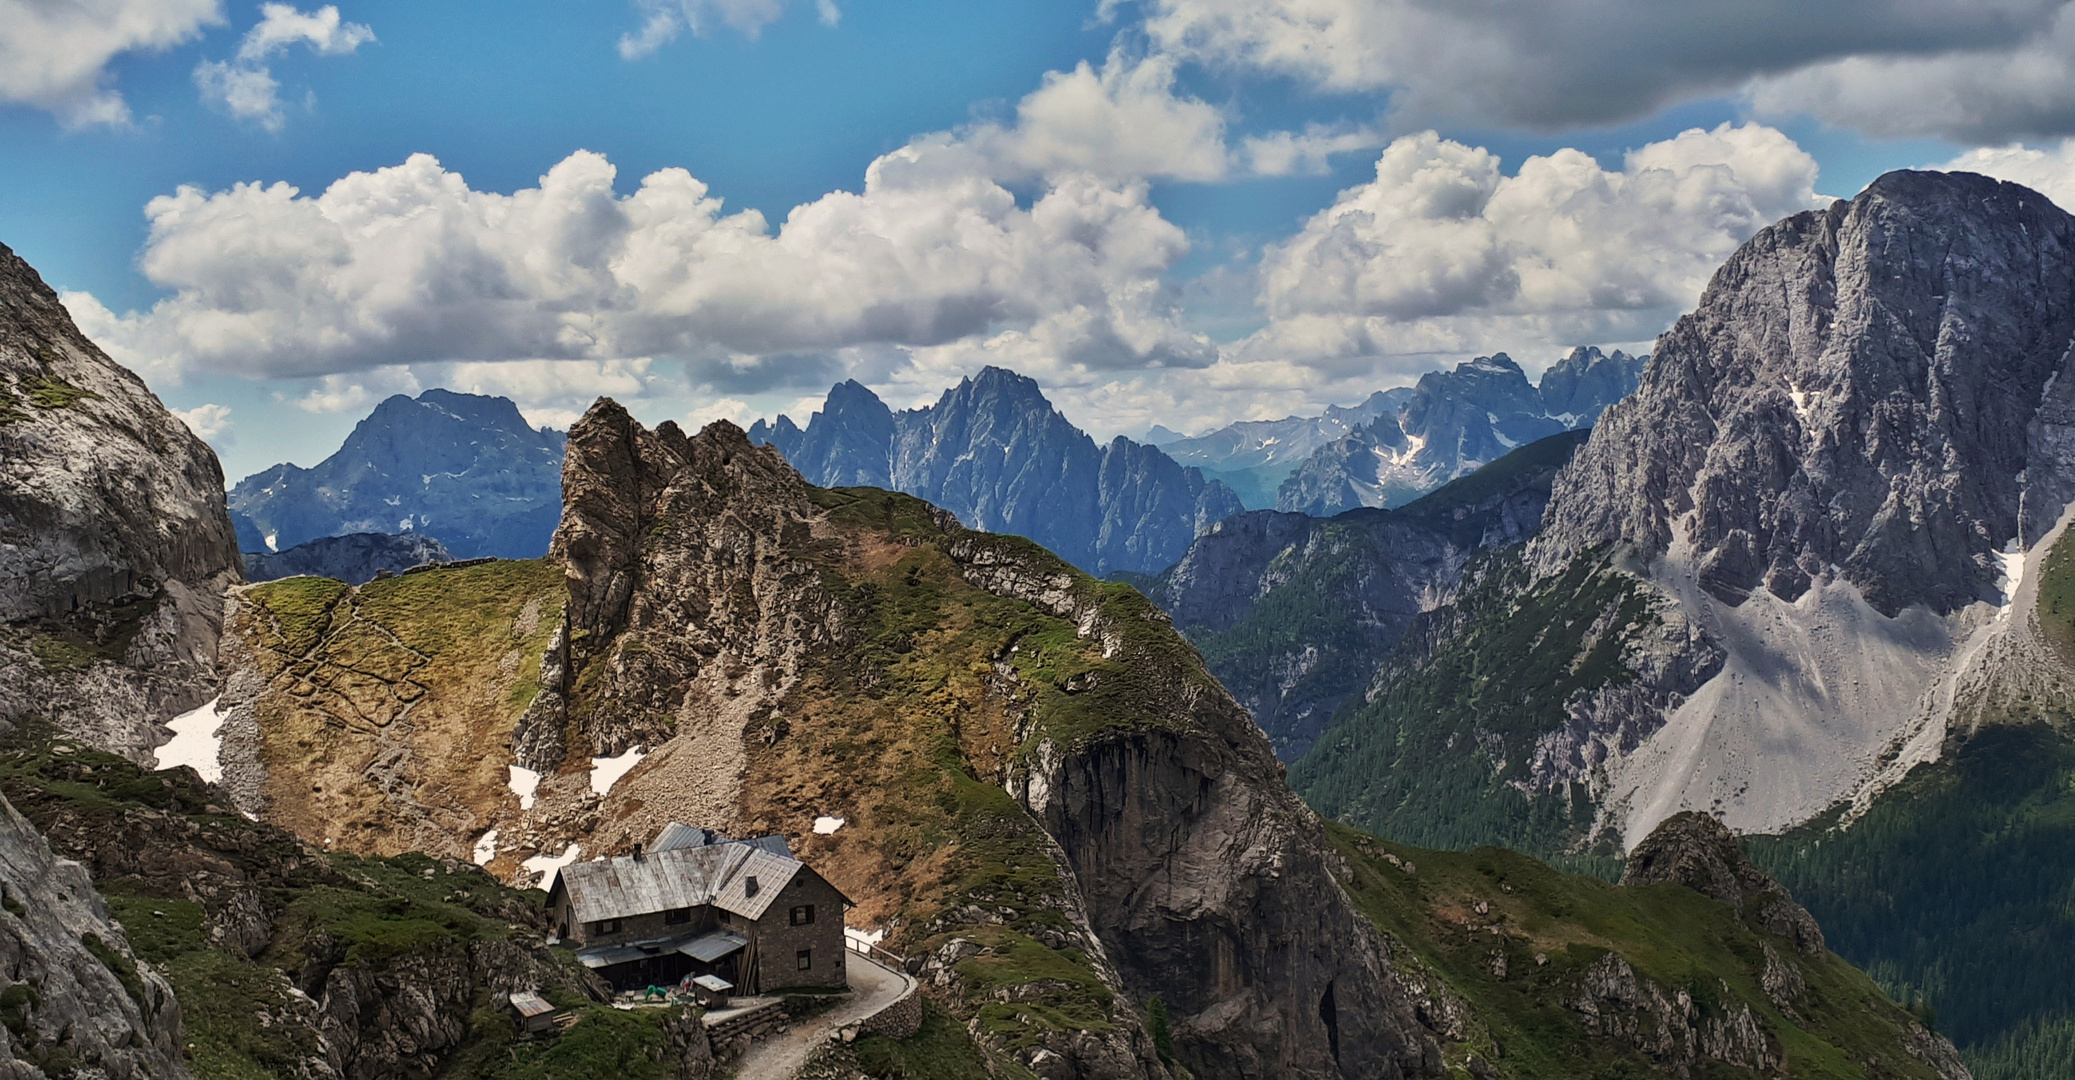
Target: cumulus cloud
x=55, y=56
x=2050, y=171
x=1123, y=120
x=1552, y=64
x=1443, y=251
x=408, y=264
x=245, y=87
x=663, y=21
x=210, y=421
x=1307, y=153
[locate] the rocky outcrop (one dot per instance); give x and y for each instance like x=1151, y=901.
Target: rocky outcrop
x=995, y=453
x=1669, y=1026
x=115, y=549
x=1451, y=424
x=73, y=998
x=465, y=468
x=348, y=975
x=1699, y=852
x=1294, y=614
x=355, y=558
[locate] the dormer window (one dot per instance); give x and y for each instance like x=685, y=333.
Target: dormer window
x=749, y=886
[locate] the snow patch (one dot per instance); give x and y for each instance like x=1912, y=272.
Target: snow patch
x=486, y=848
x=546, y=865
x=197, y=742
x=871, y=937
x=2011, y=561
x=1801, y=404
x=606, y=771
x=270, y=541
x=823, y=826
x=524, y=782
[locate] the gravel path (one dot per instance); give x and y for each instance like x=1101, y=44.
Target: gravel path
x=873, y=985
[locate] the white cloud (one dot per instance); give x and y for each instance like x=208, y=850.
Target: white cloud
x=206, y=421
x=246, y=87
x=339, y=393
x=662, y=21
x=55, y=56
x=409, y=265
x=281, y=25
x=1306, y=153
x=1552, y=64
x=1121, y=121
x=2050, y=172
x=1442, y=253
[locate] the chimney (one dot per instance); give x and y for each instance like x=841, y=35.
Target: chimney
x=637, y=852
x=749, y=887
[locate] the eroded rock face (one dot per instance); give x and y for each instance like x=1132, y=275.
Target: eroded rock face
x=70, y=989
x=115, y=545
x=1853, y=392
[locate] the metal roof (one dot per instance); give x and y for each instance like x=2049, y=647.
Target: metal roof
x=529, y=1003
x=714, y=983
x=711, y=946
x=679, y=835
x=769, y=873
x=718, y=875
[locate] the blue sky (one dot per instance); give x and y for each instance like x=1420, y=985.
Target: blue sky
x=1126, y=232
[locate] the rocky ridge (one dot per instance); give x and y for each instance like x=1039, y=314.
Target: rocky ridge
x=995, y=453
x=355, y=558
x=114, y=546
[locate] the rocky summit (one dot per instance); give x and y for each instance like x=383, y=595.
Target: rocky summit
x=465, y=469
x=114, y=546
x=995, y=453
x=1452, y=423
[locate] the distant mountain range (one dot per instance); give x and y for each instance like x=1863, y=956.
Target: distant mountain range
x=1254, y=457
x=464, y=468
x=1452, y=423
x=994, y=452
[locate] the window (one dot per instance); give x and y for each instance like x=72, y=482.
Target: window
x=805, y=958
x=803, y=915
x=677, y=916
x=606, y=926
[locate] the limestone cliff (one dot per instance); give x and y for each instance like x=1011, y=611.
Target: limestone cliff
x=73, y=998
x=115, y=547
x=1778, y=563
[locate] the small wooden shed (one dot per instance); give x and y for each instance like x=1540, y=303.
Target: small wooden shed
x=533, y=1011
x=712, y=990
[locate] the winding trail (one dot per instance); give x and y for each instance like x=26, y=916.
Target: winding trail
x=874, y=986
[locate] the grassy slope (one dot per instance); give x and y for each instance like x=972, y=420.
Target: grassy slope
x=909, y=737
x=1670, y=934
x=359, y=911
x=456, y=650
